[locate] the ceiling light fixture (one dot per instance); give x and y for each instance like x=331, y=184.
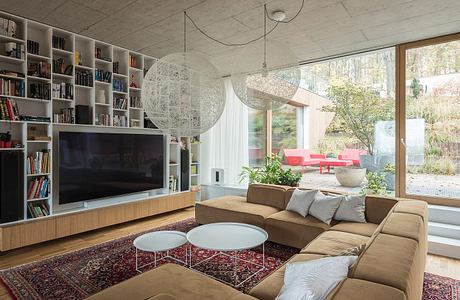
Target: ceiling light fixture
x=183, y=94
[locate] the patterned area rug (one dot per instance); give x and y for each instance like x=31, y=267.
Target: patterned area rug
x=81, y=273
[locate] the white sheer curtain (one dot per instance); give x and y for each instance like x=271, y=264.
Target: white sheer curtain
x=225, y=145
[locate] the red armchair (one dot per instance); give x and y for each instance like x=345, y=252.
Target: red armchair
x=352, y=154
x=302, y=157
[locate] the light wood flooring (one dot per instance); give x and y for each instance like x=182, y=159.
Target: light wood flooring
x=435, y=264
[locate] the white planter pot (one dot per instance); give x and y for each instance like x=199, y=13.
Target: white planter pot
x=350, y=177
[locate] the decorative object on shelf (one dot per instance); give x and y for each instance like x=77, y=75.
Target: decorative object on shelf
x=8, y=27
x=101, y=98
x=5, y=140
x=78, y=58
x=133, y=82
x=15, y=50
x=39, y=69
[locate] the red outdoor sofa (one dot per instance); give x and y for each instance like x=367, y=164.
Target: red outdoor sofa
x=352, y=154
x=302, y=157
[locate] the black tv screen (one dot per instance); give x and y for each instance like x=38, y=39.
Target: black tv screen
x=98, y=165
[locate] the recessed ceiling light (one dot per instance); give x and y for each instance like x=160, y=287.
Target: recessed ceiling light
x=278, y=15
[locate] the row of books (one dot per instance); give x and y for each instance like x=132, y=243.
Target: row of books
x=39, y=162
x=8, y=27
x=33, y=47
x=135, y=102
x=120, y=121
x=40, y=91
x=12, y=87
x=104, y=76
x=66, y=116
x=173, y=184
x=37, y=209
x=84, y=78
x=119, y=85
x=9, y=109
x=120, y=102
x=38, y=188
x=103, y=119
x=39, y=69
x=58, y=42
x=62, y=90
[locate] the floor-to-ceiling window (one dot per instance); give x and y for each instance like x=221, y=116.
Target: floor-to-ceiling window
x=430, y=115
x=257, y=142
x=286, y=128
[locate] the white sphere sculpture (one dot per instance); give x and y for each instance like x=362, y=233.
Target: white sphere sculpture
x=270, y=87
x=183, y=94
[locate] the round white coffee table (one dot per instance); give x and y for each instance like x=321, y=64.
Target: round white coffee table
x=228, y=238
x=159, y=241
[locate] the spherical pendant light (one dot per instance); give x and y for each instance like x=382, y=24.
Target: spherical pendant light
x=265, y=82
x=183, y=94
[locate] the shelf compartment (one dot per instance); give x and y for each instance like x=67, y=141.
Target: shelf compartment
x=31, y=56
x=58, y=51
x=36, y=78
x=10, y=59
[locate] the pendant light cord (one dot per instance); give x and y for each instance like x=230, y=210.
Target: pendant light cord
x=264, y=36
x=185, y=32
x=264, y=64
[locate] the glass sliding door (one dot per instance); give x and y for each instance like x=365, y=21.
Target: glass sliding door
x=430, y=120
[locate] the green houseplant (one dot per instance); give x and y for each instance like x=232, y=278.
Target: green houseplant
x=376, y=184
x=271, y=173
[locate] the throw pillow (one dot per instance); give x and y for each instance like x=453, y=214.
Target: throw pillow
x=300, y=201
x=314, y=279
x=352, y=208
x=324, y=207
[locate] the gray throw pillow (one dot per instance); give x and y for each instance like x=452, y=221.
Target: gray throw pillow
x=352, y=209
x=300, y=201
x=324, y=207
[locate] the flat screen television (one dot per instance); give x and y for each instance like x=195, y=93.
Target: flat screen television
x=99, y=165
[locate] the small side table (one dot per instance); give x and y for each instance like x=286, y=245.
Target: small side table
x=159, y=241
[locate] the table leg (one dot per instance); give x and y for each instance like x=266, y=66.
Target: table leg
x=136, y=262
x=155, y=258
x=320, y=169
x=263, y=255
x=235, y=269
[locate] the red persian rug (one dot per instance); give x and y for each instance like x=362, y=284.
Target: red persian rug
x=81, y=273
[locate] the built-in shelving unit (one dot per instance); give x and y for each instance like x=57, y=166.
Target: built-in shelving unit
x=74, y=70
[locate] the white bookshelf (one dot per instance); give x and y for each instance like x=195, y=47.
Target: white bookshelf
x=85, y=48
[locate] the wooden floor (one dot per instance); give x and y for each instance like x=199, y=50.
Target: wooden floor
x=435, y=264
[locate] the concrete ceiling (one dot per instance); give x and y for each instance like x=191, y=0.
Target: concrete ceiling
x=324, y=27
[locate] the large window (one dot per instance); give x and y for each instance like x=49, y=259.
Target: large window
x=432, y=120
x=286, y=128
x=257, y=127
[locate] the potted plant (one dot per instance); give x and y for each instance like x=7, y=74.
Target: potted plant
x=375, y=185
x=271, y=173
x=389, y=171
x=350, y=176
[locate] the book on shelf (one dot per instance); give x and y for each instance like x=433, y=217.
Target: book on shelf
x=132, y=61
x=12, y=87
x=39, y=162
x=39, y=69
x=104, y=76
x=60, y=67
x=58, y=42
x=119, y=85
x=39, y=91
x=37, y=209
x=84, y=78
x=135, y=102
x=103, y=119
x=66, y=116
x=11, y=73
x=38, y=188
x=120, y=102
x=33, y=47
x=120, y=120
x=62, y=90
x=8, y=27
x=9, y=109
x=173, y=183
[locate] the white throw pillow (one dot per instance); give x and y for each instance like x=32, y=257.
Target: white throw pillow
x=314, y=279
x=300, y=201
x=352, y=208
x=324, y=207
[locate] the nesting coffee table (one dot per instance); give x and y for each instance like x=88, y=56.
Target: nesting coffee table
x=159, y=241
x=228, y=239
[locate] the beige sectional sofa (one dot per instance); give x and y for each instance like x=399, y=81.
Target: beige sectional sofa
x=391, y=266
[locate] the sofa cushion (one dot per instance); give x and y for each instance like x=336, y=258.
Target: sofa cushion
x=265, y=194
x=405, y=225
x=366, y=229
x=232, y=209
x=334, y=243
x=289, y=228
x=377, y=208
x=164, y=280
x=394, y=261
x=270, y=287
x=415, y=207
x=363, y=290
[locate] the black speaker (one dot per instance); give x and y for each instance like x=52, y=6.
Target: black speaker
x=83, y=114
x=11, y=186
x=184, y=169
